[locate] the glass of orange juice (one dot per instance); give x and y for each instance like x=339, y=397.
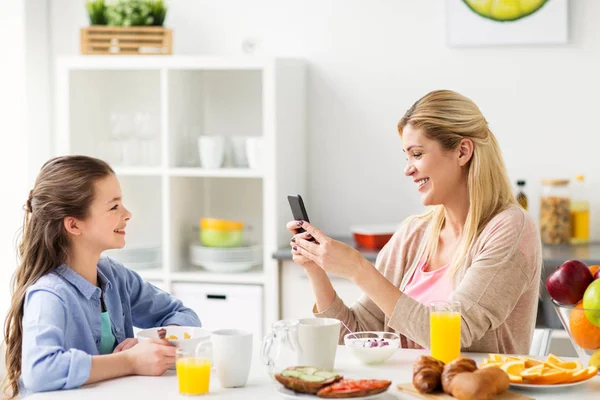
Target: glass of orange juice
x=193, y=369
x=444, y=320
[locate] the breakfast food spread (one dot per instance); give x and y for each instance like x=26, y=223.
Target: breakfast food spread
x=459, y=378
x=306, y=379
x=327, y=384
x=552, y=371
x=427, y=374
x=349, y=388
x=162, y=334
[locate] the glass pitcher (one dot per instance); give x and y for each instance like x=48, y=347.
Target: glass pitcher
x=280, y=348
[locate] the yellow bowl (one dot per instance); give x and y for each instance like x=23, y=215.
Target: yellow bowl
x=224, y=225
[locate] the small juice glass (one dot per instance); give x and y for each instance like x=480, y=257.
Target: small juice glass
x=444, y=320
x=193, y=369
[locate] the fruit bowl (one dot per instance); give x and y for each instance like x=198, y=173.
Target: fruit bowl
x=584, y=335
x=372, y=347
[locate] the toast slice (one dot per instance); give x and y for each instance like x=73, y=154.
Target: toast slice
x=307, y=380
x=349, y=388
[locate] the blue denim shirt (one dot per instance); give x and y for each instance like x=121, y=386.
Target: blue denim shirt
x=62, y=321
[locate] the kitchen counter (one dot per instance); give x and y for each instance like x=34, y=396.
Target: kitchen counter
x=553, y=255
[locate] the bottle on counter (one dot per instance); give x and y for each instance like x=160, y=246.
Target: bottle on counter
x=521, y=196
x=555, y=211
x=580, y=212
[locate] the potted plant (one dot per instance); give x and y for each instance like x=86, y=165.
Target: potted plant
x=136, y=25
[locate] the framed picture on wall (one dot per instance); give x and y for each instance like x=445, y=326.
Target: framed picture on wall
x=506, y=22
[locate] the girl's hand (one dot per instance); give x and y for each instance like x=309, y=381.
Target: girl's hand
x=151, y=357
x=299, y=259
x=331, y=255
x=126, y=344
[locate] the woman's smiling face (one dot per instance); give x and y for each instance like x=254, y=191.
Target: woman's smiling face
x=435, y=171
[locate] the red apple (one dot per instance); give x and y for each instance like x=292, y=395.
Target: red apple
x=568, y=283
x=597, y=275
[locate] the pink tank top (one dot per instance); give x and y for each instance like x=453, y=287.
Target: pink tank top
x=429, y=286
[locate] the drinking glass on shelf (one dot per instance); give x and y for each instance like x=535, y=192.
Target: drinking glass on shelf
x=445, y=319
x=189, y=146
x=146, y=135
x=120, y=132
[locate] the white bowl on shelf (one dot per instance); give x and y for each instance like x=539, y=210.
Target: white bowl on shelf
x=226, y=260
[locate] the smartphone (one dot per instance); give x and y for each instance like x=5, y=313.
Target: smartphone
x=298, y=211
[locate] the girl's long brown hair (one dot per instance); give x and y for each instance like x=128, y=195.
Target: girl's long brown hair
x=63, y=188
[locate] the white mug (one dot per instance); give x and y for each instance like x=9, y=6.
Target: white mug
x=211, y=150
x=232, y=356
x=255, y=152
x=318, y=339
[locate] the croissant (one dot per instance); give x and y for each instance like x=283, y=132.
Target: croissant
x=461, y=364
x=427, y=374
x=483, y=384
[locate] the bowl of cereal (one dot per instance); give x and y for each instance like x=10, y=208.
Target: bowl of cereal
x=184, y=337
x=372, y=347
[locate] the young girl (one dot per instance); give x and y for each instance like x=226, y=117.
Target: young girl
x=72, y=313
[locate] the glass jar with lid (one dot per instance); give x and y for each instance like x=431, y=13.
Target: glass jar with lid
x=555, y=211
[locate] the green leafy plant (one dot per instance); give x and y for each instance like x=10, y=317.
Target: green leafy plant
x=127, y=12
x=96, y=10
x=158, y=9
x=130, y=13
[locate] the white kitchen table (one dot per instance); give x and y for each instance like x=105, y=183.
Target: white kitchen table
x=398, y=369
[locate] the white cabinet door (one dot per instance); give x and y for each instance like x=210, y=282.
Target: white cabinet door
x=297, y=298
x=221, y=306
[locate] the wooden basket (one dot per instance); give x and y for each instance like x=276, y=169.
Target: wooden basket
x=126, y=40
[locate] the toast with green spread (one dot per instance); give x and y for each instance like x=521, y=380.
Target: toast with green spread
x=307, y=380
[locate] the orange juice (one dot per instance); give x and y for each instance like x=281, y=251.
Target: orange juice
x=193, y=375
x=580, y=222
x=445, y=335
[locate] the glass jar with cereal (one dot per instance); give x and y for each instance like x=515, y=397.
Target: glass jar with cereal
x=555, y=217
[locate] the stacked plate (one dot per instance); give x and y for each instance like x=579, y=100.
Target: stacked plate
x=137, y=257
x=236, y=259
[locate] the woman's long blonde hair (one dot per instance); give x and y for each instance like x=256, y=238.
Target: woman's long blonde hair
x=63, y=188
x=448, y=117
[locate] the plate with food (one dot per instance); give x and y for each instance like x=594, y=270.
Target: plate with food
x=526, y=372
x=309, y=382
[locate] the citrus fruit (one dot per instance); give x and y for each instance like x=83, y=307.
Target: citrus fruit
x=583, y=332
x=595, y=359
x=504, y=10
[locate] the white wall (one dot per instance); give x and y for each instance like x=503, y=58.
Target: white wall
x=13, y=152
x=370, y=60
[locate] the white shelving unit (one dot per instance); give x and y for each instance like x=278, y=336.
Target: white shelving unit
x=165, y=192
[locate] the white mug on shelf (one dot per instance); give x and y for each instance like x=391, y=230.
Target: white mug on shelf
x=255, y=152
x=238, y=152
x=211, y=150
x=232, y=356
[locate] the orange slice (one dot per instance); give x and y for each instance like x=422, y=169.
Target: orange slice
x=530, y=362
x=533, y=372
x=570, y=366
x=514, y=369
x=553, y=359
x=584, y=374
x=551, y=377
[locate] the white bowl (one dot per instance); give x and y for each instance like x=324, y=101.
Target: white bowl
x=189, y=345
x=361, y=345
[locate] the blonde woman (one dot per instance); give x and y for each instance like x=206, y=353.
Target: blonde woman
x=475, y=245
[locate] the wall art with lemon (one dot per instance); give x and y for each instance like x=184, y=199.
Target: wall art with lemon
x=506, y=22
